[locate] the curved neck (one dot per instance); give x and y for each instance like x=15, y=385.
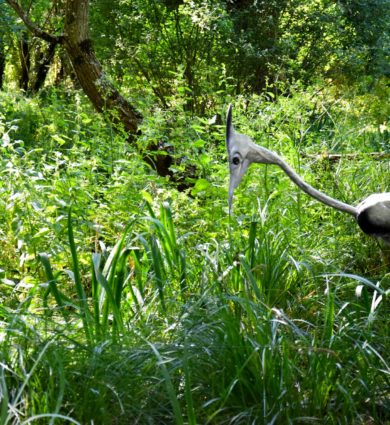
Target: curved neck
x=325, y=199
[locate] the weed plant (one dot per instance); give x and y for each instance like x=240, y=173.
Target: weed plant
x=124, y=301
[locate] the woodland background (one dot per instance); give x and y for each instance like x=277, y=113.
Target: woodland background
x=128, y=294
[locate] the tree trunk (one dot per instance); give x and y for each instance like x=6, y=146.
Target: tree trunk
x=96, y=85
x=93, y=81
x=2, y=64
x=25, y=63
x=44, y=60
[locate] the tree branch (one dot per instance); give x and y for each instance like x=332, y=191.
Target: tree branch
x=38, y=32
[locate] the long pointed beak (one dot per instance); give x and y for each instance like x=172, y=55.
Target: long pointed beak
x=235, y=179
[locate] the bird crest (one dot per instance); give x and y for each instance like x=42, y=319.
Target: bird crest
x=229, y=127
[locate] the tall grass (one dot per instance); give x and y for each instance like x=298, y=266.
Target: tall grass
x=156, y=349
x=278, y=315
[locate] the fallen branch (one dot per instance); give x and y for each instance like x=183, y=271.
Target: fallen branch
x=339, y=156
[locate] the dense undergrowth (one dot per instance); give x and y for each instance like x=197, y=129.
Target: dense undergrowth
x=124, y=301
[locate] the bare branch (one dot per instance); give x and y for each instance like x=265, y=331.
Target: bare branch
x=350, y=156
x=38, y=32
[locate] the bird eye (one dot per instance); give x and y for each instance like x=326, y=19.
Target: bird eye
x=236, y=160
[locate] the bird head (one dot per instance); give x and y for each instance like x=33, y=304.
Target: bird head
x=241, y=153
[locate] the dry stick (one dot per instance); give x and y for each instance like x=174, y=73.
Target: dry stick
x=339, y=156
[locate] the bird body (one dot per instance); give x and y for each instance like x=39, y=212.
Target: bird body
x=372, y=214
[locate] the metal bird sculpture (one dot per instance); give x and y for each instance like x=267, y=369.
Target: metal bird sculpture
x=372, y=215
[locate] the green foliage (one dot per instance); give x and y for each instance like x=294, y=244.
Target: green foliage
x=163, y=51
x=170, y=52
x=208, y=48
x=369, y=24
x=125, y=300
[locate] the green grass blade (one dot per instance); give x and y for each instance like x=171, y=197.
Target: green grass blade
x=361, y=279
x=251, y=244
x=329, y=318
x=251, y=277
x=167, y=220
x=96, y=292
x=52, y=416
x=107, y=299
x=191, y=415
x=158, y=267
x=53, y=285
x=121, y=276
x=29, y=375
x=83, y=304
x=169, y=386
x=4, y=397
x=183, y=273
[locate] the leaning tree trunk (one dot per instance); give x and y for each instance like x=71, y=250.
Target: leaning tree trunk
x=94, y=82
